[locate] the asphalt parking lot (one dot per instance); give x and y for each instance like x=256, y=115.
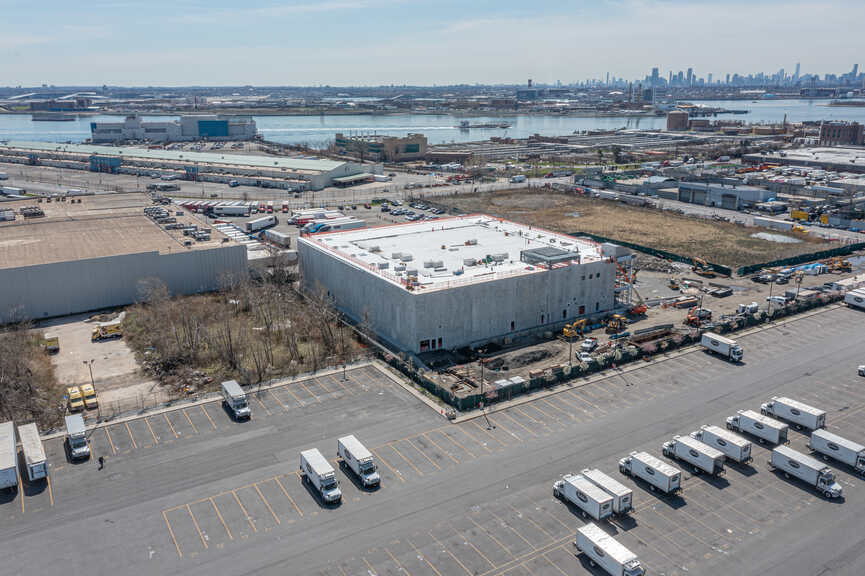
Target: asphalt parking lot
x=192, y=492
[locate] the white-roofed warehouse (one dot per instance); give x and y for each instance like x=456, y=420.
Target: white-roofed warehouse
x=461, y=281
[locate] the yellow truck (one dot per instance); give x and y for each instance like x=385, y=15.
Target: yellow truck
x=800, y=215
x=106, y=332
x=90, y=399
x=50, y=343
x=76, y=400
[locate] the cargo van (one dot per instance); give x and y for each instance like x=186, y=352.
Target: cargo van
x=318, y=472
x=234, y=399
x=357, y=458
x=76, y=438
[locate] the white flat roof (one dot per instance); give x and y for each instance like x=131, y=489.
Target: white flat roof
x=440, y=250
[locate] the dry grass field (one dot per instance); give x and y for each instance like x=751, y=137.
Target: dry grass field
x=719, y=242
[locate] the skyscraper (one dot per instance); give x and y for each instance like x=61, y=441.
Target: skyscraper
x=654, y=76
x=690, y=77
x=796, y=75
x=709, y=77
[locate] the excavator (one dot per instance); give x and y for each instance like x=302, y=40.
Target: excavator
x=696, y=316
x=838, y=265
x=575, y=329
x=702, y=268
x=616, y=323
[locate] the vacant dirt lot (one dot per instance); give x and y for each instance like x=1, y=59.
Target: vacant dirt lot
x=718, y=242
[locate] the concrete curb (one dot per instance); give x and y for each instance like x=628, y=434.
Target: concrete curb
x=408, y=387
x=586, y=380
x=210, y=398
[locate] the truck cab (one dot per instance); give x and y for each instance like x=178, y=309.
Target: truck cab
x=234, y=399
x=76, y=400
x=90, y=399
x=827, y=485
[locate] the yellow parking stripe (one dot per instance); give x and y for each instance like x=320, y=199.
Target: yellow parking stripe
x=221, y=519
x=171, y=532
x=278, y=401
x=453, y=440
x=424, y=557
x=395, y=561
x=433, y=442
x=423, y=454
x=383, y=461
x=203, y=409
x=110, y=441
x=317, y=399
x=194, y=429
x=463, y=566
x=131, y=437
x=155, y=439
x=170, y=425
x=266, y=503
x=245, y=513
x=415, y=468
x=195, y=522
x=469, y=542
x=284, y=491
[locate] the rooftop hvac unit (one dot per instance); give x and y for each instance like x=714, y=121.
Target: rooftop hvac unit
x=433, y=263
x=469, y=262
x=500, y=257
x=399, y=268
x=383, y=265
x=375, y=249
x=411, y=272
x=472, y=242
x=396, y=255
x=406, y=258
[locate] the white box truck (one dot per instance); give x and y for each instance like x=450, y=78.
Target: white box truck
x=590, y=499
x=261, y=223
x=764, y=428
x=800, y=414
x=838, y=448
x=724, y=347
x=623, y=497
x=34, y=452
x=359, y=460
x=701, y=456
x=605, y=551
x=234, y=399
x=855, y=298
x=8, y=457
x=318, y=472
x=658, y=474
x=805, y=468
x=230, y=210
x=76, y=437
x=732, y=445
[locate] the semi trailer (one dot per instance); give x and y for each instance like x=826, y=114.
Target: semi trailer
x=805, y=468
x=657, y=473
x=800, y=414
x=838, y=448
x=764, y=428
x=623, y=497
x=732, y=445
x=702, y=457
x=583, y=494
x=605, y=551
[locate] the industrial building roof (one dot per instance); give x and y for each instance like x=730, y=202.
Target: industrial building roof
x=101, y=226
x=838, y=157
x=314, y=165
x=455, y=251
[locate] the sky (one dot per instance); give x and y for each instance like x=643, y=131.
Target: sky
x=419, y=42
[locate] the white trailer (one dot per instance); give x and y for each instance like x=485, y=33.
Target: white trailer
x=318, y=471
x=76, y=437
x=605, y=551
x=800, y=414
x=732, y=445
x=623, y=496
x=805, y=468
x=234, y=398
x=764, y=428
x=724, y=347
x=855, y=299
x=261, y=223
x=8, y=457
x=590, y=499
x=230, y=210
x=701, y=456
x=34, y=453
x=838, y=448
x=657, y=473
x=278, y=238
x=359, y=460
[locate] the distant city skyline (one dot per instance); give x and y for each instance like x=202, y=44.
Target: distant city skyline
x=418, y=42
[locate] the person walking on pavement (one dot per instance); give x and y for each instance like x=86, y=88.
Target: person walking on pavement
x=101, y=462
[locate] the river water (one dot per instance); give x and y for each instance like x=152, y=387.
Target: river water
x=318, y=131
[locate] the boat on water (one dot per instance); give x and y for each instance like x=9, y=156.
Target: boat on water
x=466, y=125
x=52, y=117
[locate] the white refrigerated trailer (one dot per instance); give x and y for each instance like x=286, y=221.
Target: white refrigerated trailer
x=623, y=497
x=657, y=473
x=732, y=445
x=605, y=551
x=765, y=428
x=800, y=414
x=838, y=448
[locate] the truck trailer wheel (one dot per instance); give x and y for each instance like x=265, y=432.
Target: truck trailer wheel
x=827, y=494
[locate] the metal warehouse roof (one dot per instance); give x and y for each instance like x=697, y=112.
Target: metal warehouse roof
x=184, y=156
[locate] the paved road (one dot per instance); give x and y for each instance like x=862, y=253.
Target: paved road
x=194, y=493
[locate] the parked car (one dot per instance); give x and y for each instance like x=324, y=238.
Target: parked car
x=586, y=357
x=862, y=370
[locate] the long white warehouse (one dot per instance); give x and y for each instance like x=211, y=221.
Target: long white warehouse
x=460, y=281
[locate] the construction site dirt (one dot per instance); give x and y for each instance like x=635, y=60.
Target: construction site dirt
x=719, y=242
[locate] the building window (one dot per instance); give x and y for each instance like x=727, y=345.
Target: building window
x=424, y=345
x=542, y=318
x=433, y=343
x=564, y=314
x=440, y=342
x=512, y=325
x=597, y=306
x=582, y=310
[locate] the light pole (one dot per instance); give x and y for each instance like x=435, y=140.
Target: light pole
x=92, y=383
x=771, y=285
